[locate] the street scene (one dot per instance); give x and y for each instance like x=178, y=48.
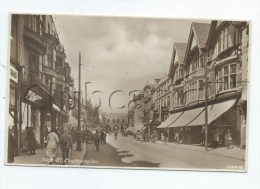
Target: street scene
x=122, y=92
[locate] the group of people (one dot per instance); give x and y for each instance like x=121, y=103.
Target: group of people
x=64, y=141
x=99, y=138
x=220, y=137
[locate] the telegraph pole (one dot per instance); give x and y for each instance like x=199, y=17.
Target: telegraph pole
x=79, y=148
x=206, y=107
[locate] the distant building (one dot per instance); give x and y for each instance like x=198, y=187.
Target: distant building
x=116, y=119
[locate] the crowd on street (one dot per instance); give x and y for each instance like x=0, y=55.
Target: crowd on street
x=217, y=137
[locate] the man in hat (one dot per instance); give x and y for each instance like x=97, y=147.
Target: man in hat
x=65, y=145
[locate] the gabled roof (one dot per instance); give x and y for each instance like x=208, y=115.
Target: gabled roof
x=179, y=49
x=201, y=31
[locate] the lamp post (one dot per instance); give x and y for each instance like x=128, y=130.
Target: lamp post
x=79, y=148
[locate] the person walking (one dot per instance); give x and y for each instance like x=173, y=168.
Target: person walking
x=11, y=146
x=228, y=139
x=65, y=145
x=103, y=137
x=216, y=138
x=31, y=140
x=165, y=135
x=52, y=145
x=97, y=140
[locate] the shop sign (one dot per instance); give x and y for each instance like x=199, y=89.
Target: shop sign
x=33, y=96
x=13, y=74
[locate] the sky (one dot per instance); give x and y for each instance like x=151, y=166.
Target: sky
x=118, y=53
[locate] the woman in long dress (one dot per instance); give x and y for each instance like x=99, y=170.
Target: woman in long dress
x=52, y=145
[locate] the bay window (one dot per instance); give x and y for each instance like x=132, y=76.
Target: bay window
x=226, y=77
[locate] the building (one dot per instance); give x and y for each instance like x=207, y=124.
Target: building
x=40, y=78
x=148, y=109
x=161, y=98
x=218, y=52
x=138, y=111
x=113, y=120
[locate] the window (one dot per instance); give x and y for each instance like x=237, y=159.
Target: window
x=226, y=77
x=226, y=38
x=49, y=56
x=34, y=23
x=59, y=65
x=178, y=98
x=34, y=66
x=201, y=90
x=168, y=101
x=46, y=80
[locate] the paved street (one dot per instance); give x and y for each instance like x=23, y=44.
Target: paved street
x=127, y=152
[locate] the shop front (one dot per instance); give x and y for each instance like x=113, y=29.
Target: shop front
x=189, y=126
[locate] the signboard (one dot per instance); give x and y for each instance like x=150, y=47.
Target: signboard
x=33, y=96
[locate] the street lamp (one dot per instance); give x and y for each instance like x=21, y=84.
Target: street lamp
x=79, y=148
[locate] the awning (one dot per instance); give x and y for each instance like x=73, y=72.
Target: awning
x=214, y=112
x=187, y=117
x=171, y=119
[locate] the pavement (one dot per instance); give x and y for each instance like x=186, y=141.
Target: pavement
x=40, y=158
x=235, y=152
x=127, y=152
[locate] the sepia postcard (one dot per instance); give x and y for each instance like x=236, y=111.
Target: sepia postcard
x=127, y=92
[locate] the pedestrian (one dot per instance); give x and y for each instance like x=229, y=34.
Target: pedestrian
x=97, y=140
x=228, y=139
x=181, y=135
x=52, y=145
x=65, y=145
x=177, y=138
x=216, y=138
x=165, y=135
x=202, y=137
x=11, y=146
x=31, y=141
x=45, y=134
x=103, y=137
x=115, y=133
x=143, y=136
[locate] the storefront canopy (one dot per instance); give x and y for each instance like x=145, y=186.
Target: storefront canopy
x=214, y=112
x=187, y=117
x=171, y=119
